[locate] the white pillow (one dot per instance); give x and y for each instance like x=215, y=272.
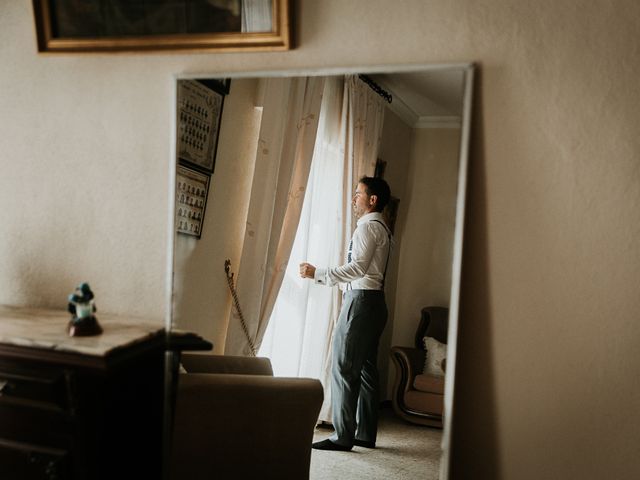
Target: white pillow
x=436, y=353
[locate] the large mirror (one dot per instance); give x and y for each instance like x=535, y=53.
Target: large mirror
x=266, y=166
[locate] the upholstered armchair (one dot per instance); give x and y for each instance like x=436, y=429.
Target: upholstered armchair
x=234, y=419
x=418, y=393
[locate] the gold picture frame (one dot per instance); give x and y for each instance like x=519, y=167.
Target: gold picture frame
x=75, y=26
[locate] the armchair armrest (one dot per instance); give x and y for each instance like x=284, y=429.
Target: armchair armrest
x=244, y=426
x=203, y=363
x=409, y=362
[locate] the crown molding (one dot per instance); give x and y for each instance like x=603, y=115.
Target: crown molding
x=451, y=121
x=411, y=118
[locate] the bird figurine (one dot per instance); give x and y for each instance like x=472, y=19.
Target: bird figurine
x=81, y=305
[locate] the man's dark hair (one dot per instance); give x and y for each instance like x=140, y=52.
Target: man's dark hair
x=378, y=187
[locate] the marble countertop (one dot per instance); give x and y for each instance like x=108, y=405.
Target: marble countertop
x=47, y=329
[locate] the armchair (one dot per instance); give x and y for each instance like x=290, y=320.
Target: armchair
x=418, y=397
x=233, y=419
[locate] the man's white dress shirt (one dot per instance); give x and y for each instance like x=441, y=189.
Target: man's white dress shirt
x=370, y=246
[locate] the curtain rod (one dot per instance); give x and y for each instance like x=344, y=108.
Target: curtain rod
x=376, y=88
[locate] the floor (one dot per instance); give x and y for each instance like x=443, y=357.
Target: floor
x=403, y=452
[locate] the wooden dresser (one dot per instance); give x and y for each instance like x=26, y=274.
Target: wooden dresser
x=80, y=408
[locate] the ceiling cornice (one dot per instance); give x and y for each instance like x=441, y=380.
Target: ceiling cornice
x=411, y=118
x=438, y=122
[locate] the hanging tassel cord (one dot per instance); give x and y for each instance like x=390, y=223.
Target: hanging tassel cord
x=236, y=303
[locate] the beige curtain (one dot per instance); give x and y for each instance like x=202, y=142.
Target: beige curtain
x=298, y=337
x=364, y=110
x=291, y=108
x=352, y=134
x=362, y=120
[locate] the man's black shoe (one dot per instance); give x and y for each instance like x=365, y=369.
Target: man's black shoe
x=364, y=443
x=329, y=445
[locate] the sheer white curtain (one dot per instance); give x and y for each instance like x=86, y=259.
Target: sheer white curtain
x=298, y=338
x=291, y=109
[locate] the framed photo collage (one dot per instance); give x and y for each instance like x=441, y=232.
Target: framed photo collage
x=199, y=111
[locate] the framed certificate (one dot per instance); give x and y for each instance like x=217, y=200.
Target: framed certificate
x=199, y=114
x=192, y=188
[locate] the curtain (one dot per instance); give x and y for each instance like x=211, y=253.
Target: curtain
x=256, y=16
x=298, y=339
x=299, y=334
x=365, y=111
x=291, y=108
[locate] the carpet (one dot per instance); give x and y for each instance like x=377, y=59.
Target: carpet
x=404, y=451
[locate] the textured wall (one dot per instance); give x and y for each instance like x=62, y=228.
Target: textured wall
x=547, y=382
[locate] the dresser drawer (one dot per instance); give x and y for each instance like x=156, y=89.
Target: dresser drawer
x=37, y=388
x=25, y=461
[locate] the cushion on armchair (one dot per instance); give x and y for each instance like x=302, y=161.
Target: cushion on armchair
x=429, y=384
x=436, y=353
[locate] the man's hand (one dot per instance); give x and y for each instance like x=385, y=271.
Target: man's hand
x=307, y=270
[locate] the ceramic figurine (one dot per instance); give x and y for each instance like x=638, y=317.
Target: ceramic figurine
x=81, y=305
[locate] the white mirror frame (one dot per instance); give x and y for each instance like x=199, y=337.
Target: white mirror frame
x=463, y=159
x=456, y=272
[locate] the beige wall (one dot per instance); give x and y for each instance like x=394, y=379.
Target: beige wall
x=548, y=338
x=395, y=149
x=426, y=254
x=202, y=301
x=422, y=171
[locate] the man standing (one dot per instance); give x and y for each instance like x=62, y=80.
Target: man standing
x=354, y=371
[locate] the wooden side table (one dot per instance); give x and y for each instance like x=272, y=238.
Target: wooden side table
x=83, y=407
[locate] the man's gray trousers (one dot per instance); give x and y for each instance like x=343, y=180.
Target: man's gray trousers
x=354, y=372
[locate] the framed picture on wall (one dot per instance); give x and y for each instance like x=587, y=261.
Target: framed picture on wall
x=220, y=85
x=199, y=114
x=390, y=213
x=192, y=189
x=66, y=26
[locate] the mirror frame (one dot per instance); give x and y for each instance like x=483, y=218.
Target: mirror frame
x=461, y=194
x=279, y=38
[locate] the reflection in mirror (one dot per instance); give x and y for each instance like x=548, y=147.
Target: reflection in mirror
x=266, y=167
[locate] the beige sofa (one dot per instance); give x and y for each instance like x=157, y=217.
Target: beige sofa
x=235, y=420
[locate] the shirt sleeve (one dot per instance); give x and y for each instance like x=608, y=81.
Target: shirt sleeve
x=362, y=251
